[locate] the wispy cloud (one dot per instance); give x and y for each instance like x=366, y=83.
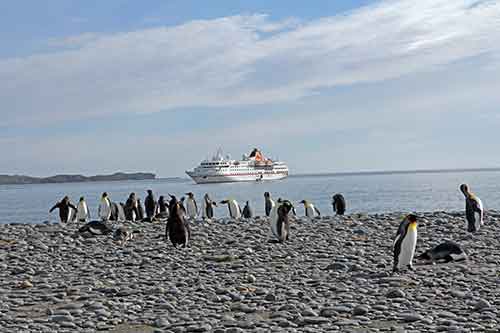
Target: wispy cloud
x=243, y=60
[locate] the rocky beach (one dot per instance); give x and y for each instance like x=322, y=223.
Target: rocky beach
x=334, y=274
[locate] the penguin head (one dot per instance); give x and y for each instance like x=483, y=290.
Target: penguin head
x=65, y=199
x=427, y=255
x=224, y=202
x=412, y=218
x=190, y=195
x=150, y=192
x=286, y=206
x=465, y=189
x=303, y=202
x=161, y=198
x=267, y=195
x=82, y=199
x=104, y=195
x=132, y=195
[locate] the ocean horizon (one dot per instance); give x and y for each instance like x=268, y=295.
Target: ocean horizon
x=365, y=192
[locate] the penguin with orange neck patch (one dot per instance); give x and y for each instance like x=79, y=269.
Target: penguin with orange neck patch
x=473, y=209
x=405, y=243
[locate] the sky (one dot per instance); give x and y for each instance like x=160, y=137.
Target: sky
x=95, y=87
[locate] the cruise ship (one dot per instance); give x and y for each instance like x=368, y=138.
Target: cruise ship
x=253, y=167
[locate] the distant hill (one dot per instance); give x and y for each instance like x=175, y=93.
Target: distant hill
x=19, y=179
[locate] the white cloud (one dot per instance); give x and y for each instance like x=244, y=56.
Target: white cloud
x=243, y=60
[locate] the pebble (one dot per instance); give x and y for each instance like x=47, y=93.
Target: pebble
x=231, y=279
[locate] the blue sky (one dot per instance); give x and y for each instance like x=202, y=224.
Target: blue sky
x=99, y=86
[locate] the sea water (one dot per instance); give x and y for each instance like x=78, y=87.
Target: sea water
x=364, y=193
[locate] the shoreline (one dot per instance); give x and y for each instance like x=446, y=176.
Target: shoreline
x=333, y=274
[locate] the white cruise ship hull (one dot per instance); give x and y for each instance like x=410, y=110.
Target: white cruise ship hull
x=229, y=178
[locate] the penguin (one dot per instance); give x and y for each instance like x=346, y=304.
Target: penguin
x=114, y=211
x=121, y=212
x=122, y=235
x=96, y=228
x=130, y=208
x=104, y=210
x=150, y=204
x=269, y=203
x=404, y=243
x=310, y=210
x=280, y=225
x=140, y=210
x=177, y=229
x=162, y=207
x=474, y=212
x=338, y=203
x=234, y=208
x=208, y=207
x=191, y=206
x=82, y=211
x=247, y=211
x=65, y=209
x=447, y=251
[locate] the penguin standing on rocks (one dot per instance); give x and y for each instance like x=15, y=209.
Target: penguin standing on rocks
x=208, y=207
x=177, y=228
x=233, y=207
x=269, y=203
x=104, y=209
x=247, y=211
x=446, y=252
x=121, y=212
x=131, y=210
x=310, y=210
x=338, y=203
x=280, y=225
x=473, y=209
x=162, y=207
x=66, y=209
x=82, y=211
x=150, y=204
x=140, y=210
x=191, y=206
x=405, y=243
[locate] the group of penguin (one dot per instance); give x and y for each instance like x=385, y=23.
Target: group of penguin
x=180, y=212
x=133, y=210
x=405, y=241
x=107, y=210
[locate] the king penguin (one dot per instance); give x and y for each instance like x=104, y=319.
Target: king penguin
x=208, y=209
x=247, y=211
x=140, y=210
x=338, y=203
x=473, y=209
x=280, y=225
x=269, y=203
x=104, y=210
x=82, y=211
x=191, y=206
x=310, y=210
x=121, y=212
x=233, y=207
x=162, y=207
x=404, y=243
x=150, y=204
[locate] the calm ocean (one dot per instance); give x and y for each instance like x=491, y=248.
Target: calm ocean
x=371, y=193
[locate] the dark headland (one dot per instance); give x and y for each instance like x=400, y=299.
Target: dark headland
x=19, y=179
